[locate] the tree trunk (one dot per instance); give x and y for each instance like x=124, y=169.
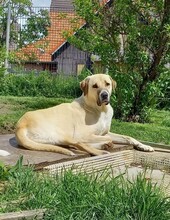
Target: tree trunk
x=152, y=73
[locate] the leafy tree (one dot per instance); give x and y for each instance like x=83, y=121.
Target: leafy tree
x=26, y=26
x=33, y=26
x=131, y=38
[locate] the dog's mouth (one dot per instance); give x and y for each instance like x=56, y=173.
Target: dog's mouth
x=103, y=98
x=106, y=102
x=103, y=102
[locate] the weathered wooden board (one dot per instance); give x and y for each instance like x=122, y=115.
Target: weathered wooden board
x=29, y=215
x=39, y=158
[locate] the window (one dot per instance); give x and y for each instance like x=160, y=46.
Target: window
x=53, y=67
x=80, y=67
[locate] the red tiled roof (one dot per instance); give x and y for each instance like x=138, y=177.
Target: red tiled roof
x=42, y=49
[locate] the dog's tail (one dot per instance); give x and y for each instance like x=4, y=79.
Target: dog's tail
x=25, y=141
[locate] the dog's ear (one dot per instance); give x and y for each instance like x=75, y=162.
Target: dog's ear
x=84, y=85
x=114, y=84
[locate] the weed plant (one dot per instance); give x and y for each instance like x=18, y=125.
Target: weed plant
x=84, y=197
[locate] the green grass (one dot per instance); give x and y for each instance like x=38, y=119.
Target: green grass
x=12, y=108
x=157, y=131
x=84, y=197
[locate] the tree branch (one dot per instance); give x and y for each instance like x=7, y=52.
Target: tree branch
x=163, y=39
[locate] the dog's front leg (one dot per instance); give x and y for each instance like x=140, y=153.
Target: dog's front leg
x=93, y=144
x=122, y=139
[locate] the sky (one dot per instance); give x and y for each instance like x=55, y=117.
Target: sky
x=41, y=3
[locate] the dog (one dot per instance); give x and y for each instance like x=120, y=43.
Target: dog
x=83, y=124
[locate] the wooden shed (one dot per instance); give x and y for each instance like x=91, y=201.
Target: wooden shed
x=71, y=60
x=53, y=52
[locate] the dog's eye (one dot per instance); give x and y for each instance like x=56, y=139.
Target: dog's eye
x=107, y=84
x=95, y=86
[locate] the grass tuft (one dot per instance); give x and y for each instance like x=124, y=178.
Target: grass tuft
x=166, y=122
x=83, y=197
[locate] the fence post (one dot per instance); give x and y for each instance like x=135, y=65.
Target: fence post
x=8, y=36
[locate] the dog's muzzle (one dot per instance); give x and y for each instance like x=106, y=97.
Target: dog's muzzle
x=104, y=98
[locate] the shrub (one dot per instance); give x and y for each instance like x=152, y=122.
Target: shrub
x=42, y=84
x=164, y=84
x=125, y=100
x=2, y=59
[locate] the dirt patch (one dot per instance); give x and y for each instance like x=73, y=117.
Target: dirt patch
x=5, y=109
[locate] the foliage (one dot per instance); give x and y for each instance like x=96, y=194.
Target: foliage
x=164, y=84
x=4, y=172
x=34, y=28
x=42, y=84
x=2, y=58
x=131, y=38
x=9, y=171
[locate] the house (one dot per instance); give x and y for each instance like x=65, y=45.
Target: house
x=53, y=52
x=68, y=57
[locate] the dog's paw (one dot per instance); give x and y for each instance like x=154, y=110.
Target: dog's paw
x=144, y=147
x=108, y=146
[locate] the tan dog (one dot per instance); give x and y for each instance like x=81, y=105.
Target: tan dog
x=83, y=124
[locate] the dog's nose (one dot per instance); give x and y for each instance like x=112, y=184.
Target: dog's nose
x=104, y=95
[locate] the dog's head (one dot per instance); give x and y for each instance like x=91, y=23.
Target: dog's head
x=98, y=88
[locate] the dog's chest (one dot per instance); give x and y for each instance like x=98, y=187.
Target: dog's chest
x=103, y=125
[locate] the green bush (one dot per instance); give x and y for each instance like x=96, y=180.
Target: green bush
x=164, y=84
x=2, y=59
x=127, y=107
x=42, y=84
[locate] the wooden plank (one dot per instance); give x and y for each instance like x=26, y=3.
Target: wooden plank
x=29, y=215
x=156, y=159
x=92, y=164
x=39, y=158
x=156, y=145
